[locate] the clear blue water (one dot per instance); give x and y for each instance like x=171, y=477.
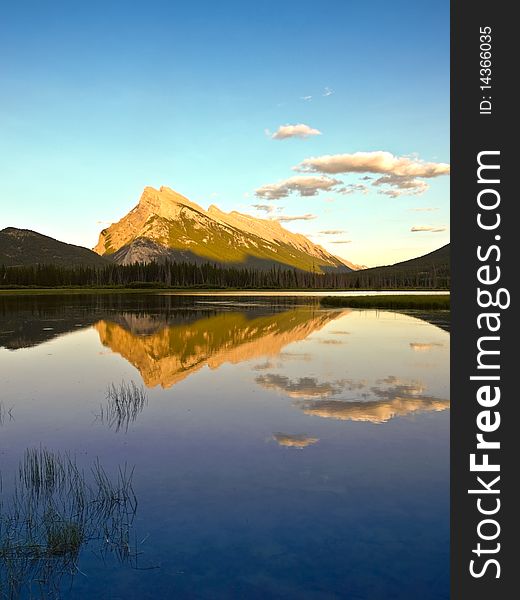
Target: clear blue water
x=284, y=450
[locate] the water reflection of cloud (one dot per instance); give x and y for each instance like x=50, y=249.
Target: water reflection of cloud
x=373, y=412
x=303, y=387
x=265, y=366
x=424, y=347
x=404, y=390
x=310, y=387
x=390, y=397
x=351, y=384
x=391, y=380
x=295, y=356
x=294, y=440
x=332, y=342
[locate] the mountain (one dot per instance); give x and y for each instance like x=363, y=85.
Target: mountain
x=23, y=247
x=438, y=257
x=167, y=226
x=430, y=270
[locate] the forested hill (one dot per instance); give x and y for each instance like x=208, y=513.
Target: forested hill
x=22, y=247
x=431, y=271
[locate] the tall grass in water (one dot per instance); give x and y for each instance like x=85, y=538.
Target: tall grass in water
x=123, y=405
x=5, y=413
x=396, y=301
x=55, y=511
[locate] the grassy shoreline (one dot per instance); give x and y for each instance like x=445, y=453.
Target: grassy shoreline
x=405, y=301
x=67, y=291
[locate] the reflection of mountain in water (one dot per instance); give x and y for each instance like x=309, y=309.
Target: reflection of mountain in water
x=27, y=321
x=169, y=354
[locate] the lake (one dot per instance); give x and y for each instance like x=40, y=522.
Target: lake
x=220, y=447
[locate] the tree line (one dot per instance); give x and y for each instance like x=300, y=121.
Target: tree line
x=208, y=275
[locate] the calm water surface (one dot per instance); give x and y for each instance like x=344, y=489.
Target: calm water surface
x=282, y=451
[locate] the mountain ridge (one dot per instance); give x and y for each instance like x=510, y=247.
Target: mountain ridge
x=434, y=267
x=439, y=256
x=165, y=225
x=164, y=216
x=24, y=247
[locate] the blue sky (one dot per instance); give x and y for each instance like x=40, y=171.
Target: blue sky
x=99, y=100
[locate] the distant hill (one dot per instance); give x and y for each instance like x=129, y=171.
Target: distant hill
x=441, y=256
x=166, y=226
x=23, y=247
x=438, y=257
x=430, y=270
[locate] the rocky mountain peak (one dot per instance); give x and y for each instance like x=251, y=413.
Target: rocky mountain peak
x=165, y=225
x=165, y=202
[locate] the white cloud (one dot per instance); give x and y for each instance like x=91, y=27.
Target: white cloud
x=290, y=131
x=427, y=228
x=268, y=208
x=396, y=186
x=332, y=231
x=306, y=98
x=303, y=185
x=400, y=175
x=288, y=218
x=340, y=241
x=351, y=188
x=327, y=91
x=372, y=162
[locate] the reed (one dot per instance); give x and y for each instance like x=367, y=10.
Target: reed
x=5, y=413
x=124, y=403
x=56, y=511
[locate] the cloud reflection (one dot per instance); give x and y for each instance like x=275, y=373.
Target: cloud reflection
x=294, y=441
x=265, y=366
x=303, y=387
x=424, y=347
x=372, y=412
x=391, y=397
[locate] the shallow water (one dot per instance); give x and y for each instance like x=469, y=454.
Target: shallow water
x=313, y=293
x=283, y=451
